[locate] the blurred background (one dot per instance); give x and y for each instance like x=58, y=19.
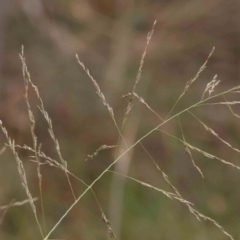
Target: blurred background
x=110, y=37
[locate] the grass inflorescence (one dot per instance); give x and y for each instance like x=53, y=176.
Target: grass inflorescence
x=42, y=160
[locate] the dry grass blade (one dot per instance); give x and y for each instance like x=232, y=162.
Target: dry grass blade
x=17, y=204
x=206, y=154
x=138, y=77
x=98, y=90
x=230, y=108
x=189, y=204
x=28, y=80
x=131, y=96
x=128, y=108
x=215, y=223
x=115, y=205
x=210, y=156
x=220, y=103
x=111, y=233
x=106, y=221
x=102, y=148
x=166, y=178
x=110, y=110
x=40, y=158
x=211, y=86
x=53, y=163
x=188, y=150
x=231, y=90
x=100, y=94
x=167, y=194
x=189, y=83
x=131, y=147
x=22, y=174
x=149, y=36
x=5, y=212
x=214, y=133
x=116, y=160
x=193, y=162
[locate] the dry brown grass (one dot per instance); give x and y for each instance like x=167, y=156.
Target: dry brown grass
x=41, y=159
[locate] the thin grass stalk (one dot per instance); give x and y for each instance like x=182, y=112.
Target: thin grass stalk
x=100, y=149
x=171, y=196
x=22, y=174
x=49, y=122
x=26, y=77
x=138, y=77
x=208, y=129
x=118, y=184
x=16, y=204
x=113, y=163
x=166, y=193
x=197, y=214
x=53, y=163
x=5, y=210
x=123, y=167
x=139, y=74
x=132, y=146
x=141, y=100
x=188, y=150
x=189, y=83
x=220, y=103
x=206, y=154
x=211, y=86
x=230, y=108
x=166, y=178
x=100, y=94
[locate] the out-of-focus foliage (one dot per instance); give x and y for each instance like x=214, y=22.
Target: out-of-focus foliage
x=109, y=37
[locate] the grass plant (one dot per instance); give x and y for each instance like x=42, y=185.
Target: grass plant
x=42, y=160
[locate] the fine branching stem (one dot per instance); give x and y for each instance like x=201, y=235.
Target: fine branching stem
x=41, y=159
x=132, y=146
